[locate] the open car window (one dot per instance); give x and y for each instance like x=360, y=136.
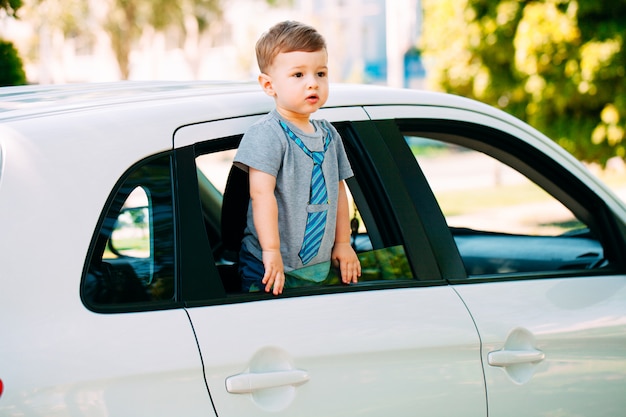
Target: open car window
x=223, y=195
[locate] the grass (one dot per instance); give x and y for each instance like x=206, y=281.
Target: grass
x=475, y=199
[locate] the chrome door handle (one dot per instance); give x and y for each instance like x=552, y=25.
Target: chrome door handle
x=506, y=357
x=250, y=382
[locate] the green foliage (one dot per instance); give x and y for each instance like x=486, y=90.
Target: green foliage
x=559, y=65
x=380, y=264
x=10, y=6
x=11, y=70
x=279, y=3
x=11, y=67
x=165, y=13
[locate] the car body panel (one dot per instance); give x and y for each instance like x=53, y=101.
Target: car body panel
x=352, y=346
x=573, y=322
x=46, y=374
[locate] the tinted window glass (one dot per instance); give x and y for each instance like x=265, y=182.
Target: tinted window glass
x=476, y=191
x=133, y=257
x=502, y=222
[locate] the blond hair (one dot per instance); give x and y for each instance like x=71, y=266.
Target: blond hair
x=287, y=36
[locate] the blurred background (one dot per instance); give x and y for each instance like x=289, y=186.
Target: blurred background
x=103, y=40
x=559, y=65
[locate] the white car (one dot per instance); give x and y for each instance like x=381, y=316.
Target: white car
x=494, y=267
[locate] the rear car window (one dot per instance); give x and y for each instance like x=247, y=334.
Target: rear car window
x=132, y=257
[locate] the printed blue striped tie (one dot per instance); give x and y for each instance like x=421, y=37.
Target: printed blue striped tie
x=318, y=200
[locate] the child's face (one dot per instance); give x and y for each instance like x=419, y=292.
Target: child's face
x=298, y=82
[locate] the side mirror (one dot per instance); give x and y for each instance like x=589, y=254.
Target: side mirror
x=131, y=235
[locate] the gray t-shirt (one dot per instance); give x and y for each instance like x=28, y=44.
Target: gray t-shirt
x=266, y=147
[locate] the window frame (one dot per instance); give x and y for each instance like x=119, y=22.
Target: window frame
x=381, y=195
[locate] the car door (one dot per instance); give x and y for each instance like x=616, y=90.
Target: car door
x=542, y=248
x=399, y=343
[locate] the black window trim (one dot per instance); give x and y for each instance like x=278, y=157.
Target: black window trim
x=196, y=268
x=434, y=227
x=376, y=150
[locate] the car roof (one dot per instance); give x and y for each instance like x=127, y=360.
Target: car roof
x=38, y=100
x=33, y=100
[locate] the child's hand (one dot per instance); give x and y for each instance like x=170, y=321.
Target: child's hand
x=349, y=264
x=274, y=271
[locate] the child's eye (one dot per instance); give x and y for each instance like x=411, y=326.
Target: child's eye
x=297, y=75
x=321, y=74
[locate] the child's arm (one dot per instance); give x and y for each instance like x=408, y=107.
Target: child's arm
x=265, y=212
x=343, y=254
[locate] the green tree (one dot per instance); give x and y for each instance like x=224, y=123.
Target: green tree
x=11, y=70
x=11, y=67
x=556, y=64
x=10, y=6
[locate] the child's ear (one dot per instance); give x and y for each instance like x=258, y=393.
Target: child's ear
x=266, y=84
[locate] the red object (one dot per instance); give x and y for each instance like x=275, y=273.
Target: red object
x=1, y=388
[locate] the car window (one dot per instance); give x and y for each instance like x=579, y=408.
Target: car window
x=132, y=260
x=224, y=199
x=476, y=191
x=501, y=220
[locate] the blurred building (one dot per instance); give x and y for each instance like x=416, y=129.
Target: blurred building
x=374, y=40
x=369, y=41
